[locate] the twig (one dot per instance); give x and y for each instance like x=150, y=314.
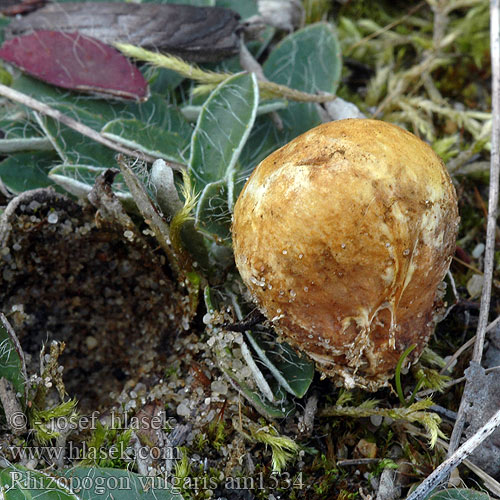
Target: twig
x=253, y=318
x=468, y=344
x=306, y=421
x=488, y=481
x=489, y=254
x=462, y=379
x=158, y=225
x=16, y=420
x=469, y=266
x=357, y=461
x=110, y=209
x=18, y=348
x=209, y=79
x=386, y=28
x=249, y=63
x=442, y=472
x=457, y=354
x=440, y=410
x=428, y=392
x=493, y=324
x=431, y=59
x=143, y=453
x=453, y=285
x=44, y=109
x=455, y=294
x=4, y=193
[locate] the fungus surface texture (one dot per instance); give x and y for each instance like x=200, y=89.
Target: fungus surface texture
x=343, y=237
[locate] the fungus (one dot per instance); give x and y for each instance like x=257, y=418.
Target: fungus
x=342, y=237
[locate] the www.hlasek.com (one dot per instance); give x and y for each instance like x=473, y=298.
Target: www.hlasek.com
x=102, y=484
x=92, y=453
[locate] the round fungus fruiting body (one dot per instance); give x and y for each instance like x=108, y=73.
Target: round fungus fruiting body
x=343, y=236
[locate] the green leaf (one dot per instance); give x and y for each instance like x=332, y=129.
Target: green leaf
x=11, y=364
x=5, y=77
x=96, y=482
x=4, y=21
x=93, y=116
x=196, y=3
x=279, y=410
x=149, y=139
x=154, y=126
x=23, y=171
x=258, y=47
x=96, y=114
x=293, y=373
x=212, y=217
x=19, y=483
x=264, y=139
x=233, y=64
x=222, y=129
x=209, y=300
x=82, y=177
x=459, y=494
x=245, y=8
x=83, y=483
x=79, y=180
x=191, y=113
x=307, y=60
x=25, y=144
x=161, y=79
x=67, y=102
x=73, y=148
x=14, y=128
x=158, y=112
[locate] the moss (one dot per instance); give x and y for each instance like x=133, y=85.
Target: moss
x=217, y=433
x=316, y=10
x=327, y=477
x=107, y=447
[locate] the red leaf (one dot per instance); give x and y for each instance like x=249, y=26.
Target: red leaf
x=75, y=61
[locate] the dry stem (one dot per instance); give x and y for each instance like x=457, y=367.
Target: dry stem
x=44, y=109
x=455, y=459
x=492, y=214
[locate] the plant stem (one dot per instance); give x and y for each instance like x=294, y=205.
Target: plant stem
x=19, y=350
x=209, y=79
x=492, y=213
x=489, y=256
x=441, y=473
x=399, y=387
x=44, y=109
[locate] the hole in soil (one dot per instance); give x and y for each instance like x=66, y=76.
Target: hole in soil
x=109, y=300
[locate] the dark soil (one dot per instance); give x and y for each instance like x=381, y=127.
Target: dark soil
x=63, y=278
